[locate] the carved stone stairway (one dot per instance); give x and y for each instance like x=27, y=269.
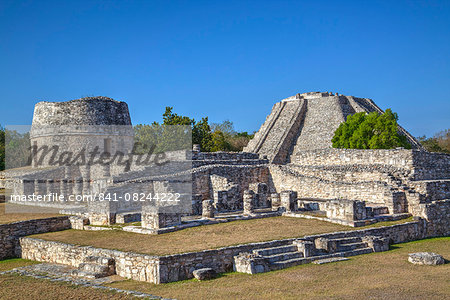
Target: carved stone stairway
x=307, y=251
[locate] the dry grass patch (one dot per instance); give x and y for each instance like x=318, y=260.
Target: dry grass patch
x=9, y=264
x=384, y=275
x=7, y=217
x=197, y=238
x=22, y=287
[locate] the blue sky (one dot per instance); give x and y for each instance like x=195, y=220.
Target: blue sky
x=226, y=59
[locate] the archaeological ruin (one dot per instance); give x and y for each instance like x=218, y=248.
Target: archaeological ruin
x=288, y=169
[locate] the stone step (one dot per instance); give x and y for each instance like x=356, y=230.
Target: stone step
x=87, y=275
x=96, y=269
x=356, y=252
x=100, y=260
x=348, y=240
x=275, y=250
x=284, y=256
x=351, y=246
x=329, y=260
x=278, y=265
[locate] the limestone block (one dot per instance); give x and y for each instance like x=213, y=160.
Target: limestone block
x=77, y=222
x=249, y=199
x=275, y=201
x=289, y=200
x=204, y=274
x=308, y=248
x=250, y=263
x=426, y=258
x=377, y=243
x=325, y=244
x=208, y=209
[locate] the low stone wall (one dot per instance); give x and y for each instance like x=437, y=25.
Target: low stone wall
x=285, y=178
x=400, y=158
x=130, y=265
x=10, y=233
x=422, y=165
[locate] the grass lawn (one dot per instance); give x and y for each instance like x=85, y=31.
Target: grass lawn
x=9, y=264
x=198, y=238
x=22, y=287
x=383, y=275
x=14, y=217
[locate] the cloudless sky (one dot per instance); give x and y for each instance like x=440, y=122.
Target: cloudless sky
x=226, y=59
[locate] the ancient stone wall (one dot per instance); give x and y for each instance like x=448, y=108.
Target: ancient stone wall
x=437, y=214
x=399, y=158
x=10, y=233
x=130, y=265
x=431, y=165
x=284, y=178
x=434, y=189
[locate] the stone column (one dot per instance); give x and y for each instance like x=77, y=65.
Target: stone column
x=69, y=181
x=49, y=186
x=208, y=209
x=86, y=174
x=275, y=201
x=63, y=188
x=38, y=187
x=289, y=200
x=249, y=199
x=106, y=170
x=78, y=186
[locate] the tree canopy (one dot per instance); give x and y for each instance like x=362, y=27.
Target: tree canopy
x=210, y=137
x=370, y=131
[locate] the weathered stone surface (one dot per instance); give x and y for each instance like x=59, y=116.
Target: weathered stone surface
x=250, y=263
x=426, y=258
x=308, y=121
x=208, y=209
x=204, y=274
x=249, y=202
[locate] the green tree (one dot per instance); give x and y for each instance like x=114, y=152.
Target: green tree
x=201, y=134
x=440, y=142
x=370, y=131
x=214, y=137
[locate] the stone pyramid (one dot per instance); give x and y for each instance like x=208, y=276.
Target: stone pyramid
x=307, y=122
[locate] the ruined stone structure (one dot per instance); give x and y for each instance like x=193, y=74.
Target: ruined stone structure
x=83, y=123
x=288, y=169
x=307, y=122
